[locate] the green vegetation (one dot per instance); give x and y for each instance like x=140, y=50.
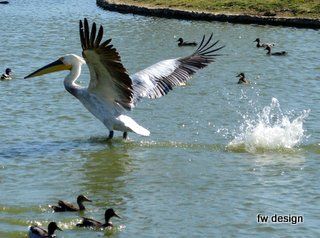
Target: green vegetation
x=287, y=8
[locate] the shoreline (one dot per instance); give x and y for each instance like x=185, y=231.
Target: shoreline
x=206, y=16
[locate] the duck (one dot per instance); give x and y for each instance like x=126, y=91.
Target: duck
x=242, y=79
x=281, y=53
x=262, y=44
x=7, y=74
x=64, y=206
x=39, y=232
x=88, y=222
x=185, y=43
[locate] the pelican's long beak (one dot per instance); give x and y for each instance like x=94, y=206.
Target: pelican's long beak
x=50, y=68
x=58, y=228
x=116, y=215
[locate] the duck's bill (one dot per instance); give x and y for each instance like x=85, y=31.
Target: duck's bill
x=116, y=215
x=58, y=228
x=50, y=68
x=88, y=200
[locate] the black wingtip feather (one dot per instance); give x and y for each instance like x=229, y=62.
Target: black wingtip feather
x=81, y=34
x=93, y=34
x=86, y=32
x=99, y=37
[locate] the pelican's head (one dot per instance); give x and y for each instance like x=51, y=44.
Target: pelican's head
x=257, y=40
x=63, y=63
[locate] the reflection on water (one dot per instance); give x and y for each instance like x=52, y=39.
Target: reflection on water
x=103, y=174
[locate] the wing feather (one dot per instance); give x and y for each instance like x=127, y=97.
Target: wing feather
x=109, y=79
x=160, y=78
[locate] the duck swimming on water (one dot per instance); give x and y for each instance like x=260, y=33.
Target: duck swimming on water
x=281, y=53
x=184, y=43
x=242, y=79
x=6, y=75
x=88, y=222
x=64, y=206
x=38, y=232
x=262, y=44
x=112, y=92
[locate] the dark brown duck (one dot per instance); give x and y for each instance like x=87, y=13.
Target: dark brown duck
x=280, y=53
x=39, y=232
x=88, y=222
x=259, y=44
x=185, y=43
x=242, y=79
x=64, y=206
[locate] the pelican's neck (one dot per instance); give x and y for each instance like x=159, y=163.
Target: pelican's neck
x=70, y=80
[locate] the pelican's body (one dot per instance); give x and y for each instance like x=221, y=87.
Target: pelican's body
x=111, y=91
x=110, y=113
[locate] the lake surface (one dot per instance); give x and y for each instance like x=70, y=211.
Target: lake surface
x=219, y=153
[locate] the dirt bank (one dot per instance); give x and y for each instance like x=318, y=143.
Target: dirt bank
x=205, y=16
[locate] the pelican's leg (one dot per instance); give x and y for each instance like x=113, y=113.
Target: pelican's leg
x=110, y=135
x=125, y=135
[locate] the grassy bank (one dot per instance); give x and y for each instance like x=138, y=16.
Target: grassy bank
x=281, y=8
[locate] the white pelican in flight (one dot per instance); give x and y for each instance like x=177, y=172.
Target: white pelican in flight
x=112, y=91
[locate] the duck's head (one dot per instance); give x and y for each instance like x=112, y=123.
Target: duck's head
x=52, y=227
x=81, y=198
x=240, y=75
x=180, y=40
x=257, y=40
x=63, y=63
x=8, y=71
x=110, y=213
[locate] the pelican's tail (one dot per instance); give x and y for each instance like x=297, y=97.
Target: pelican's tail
x=133, y=126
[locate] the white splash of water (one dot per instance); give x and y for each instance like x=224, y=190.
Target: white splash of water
x=271, y=130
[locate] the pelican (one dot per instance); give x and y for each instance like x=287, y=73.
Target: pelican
x=112, y=91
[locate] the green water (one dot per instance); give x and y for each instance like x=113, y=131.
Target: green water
x=219, y=153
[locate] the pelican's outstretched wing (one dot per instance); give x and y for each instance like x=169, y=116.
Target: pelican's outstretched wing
x=158, y=79
x=108, y=77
